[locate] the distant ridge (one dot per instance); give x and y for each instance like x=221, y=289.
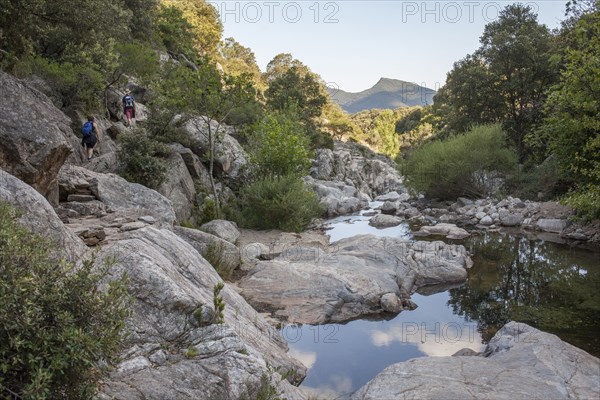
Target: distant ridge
x=387, y=93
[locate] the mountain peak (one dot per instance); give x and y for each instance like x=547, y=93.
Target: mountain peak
x=387, y=93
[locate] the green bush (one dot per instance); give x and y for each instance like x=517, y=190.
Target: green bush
x=463, y=165
x=142, y=159
x=72, y=85
x=282, y=202
x=279, y=146
x=55, y=323
x=585, y=201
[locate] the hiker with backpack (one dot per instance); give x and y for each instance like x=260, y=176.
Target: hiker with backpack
x=91, y=136
x=128, y=106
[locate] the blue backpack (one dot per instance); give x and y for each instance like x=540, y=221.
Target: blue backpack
x=87, y=128
x=128, y=100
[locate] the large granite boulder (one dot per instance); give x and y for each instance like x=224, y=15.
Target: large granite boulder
x=33, y=135
x=176, y=349
x=450, y=231
x=178, y=187
x=309, y=285
x=230, y=157
x=354, y=164
x=520, y=362
x=39, y=216
x=117, y=194
x=337, y=197
x=226, y=230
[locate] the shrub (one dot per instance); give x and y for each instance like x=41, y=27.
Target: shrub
x=55, y=323
x=279, y=146
x=282, y=202
x=585, y=201
x=470, y=164
x=215, y=254
x=142, y=159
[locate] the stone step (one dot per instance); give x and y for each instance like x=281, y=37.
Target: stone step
x=81, y=198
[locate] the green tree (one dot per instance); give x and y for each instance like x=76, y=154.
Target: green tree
x=280, y=146
x=205, y=24
x=174, y=31
x=517, y=51
x=55, y=321
x=237, y=60
x=505, y=80
x=210, y=97
x=571, y=128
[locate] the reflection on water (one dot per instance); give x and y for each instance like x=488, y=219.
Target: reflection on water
x=553, y=287
x=342, y=358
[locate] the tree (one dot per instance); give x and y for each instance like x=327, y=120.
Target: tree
x=210, y=96
x=571, y=128
x=280, y=146
x=280, y=64
x=293, y=89
x=205, y=23
x=517, y=51
x=505, y=80
x=237, y=60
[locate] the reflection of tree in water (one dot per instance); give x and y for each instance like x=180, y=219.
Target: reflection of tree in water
x=552, y=287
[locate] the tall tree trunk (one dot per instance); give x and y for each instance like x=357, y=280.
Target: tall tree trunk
x=211, y=167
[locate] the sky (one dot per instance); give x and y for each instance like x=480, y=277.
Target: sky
x=353, y=43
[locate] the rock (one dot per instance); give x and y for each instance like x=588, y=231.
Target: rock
x=463, y=201
x=255, y=251
x=578, y=236
x=178, y=187
x=348, y=280
x=385, y=221
x=392, y=196
x=323, y=165
x=391, y=303
x=230, y=157
x=39, y=217
x=451, y=231
x=551, y=225
x=337, y=197
x=147, y=219
x=509, y=219
x=117, y=194
x=212, y=248
x=81, y=197
x=34, y=135
x=132, y=226
x=196, y=169
x=226, y=230
x=487, y=220
x=448, y=218
x=410, y=212
x=521, y=362
x=389, y=208
x=480, y=214
x=169, y=280
x=357, y=166
x=94, y=207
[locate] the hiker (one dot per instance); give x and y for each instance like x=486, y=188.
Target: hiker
x=128, y=106
x=91, y=136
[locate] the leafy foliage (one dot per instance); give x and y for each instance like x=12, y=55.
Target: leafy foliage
x=504, y=81
x=142, y=159
x=280, y=202
x=280, y=146
x=464, y=165
x=55, y=322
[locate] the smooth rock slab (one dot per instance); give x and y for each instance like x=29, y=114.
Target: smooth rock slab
x=349, y=280
x=451, y=231
x=522, y=363
x=385, y=221
x=551, y=225
x=226, y=230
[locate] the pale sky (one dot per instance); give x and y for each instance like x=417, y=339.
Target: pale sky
x=353, y=43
